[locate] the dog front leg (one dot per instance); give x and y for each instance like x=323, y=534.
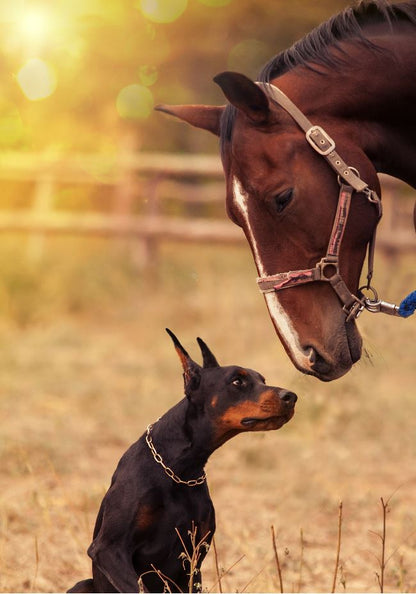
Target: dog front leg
x=113, y=572
x=83, y=586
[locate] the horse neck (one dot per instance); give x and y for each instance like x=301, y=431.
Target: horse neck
x=371, y=101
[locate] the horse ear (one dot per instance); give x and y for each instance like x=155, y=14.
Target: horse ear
x=207, y=356
x=245, y=95
x=191, y=370
x=207, y=117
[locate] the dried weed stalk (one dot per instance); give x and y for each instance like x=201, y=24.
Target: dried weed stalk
x=217, y=568
x=190, y=557
x=193, y=556
x=276, y=557
x=224, y=572
x=302, y=549
x=334, y=581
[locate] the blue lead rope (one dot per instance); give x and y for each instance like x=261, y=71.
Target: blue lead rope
x=408, y=306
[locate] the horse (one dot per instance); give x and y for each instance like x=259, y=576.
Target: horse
x=301, y=148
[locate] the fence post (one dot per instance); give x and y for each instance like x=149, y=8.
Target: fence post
x=42, y=204
x=143, y=249
x=145, y=253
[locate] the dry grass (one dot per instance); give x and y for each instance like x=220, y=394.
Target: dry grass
x=85, y=365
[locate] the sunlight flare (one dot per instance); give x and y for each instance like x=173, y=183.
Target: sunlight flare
x=34, y=24
x=162, y=11
x=134, y=102
x=36, y=79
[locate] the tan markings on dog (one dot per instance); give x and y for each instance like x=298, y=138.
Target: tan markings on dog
x=181, y=357
x=146, y=517
x=231, y=419
x=214, y=401
x=269, y=401
x=185, y=364
x=268, y=404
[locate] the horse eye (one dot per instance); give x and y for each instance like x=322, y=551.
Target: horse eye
x=283, y=199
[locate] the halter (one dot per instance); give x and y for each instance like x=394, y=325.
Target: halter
x=327, y=269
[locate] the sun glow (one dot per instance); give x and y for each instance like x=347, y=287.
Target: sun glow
x=162, y=11
x=11, y=10
x=34, y=23
x=36, y=79
x=134, y=102
x=215, y=3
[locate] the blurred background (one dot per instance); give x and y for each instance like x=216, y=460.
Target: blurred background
x=77, y=75
x=113, y=227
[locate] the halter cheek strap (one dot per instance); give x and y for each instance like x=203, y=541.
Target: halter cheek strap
x=327, y=269
x=319, y=140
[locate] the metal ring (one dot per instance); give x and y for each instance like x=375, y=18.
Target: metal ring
x=354, y=170
x=371, y=290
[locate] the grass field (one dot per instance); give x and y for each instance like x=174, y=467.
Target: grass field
x=85, y=365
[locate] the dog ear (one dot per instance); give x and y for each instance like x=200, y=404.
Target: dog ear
x=207, y=117
x=245, y=95
x=207, y=356
x=191, y=370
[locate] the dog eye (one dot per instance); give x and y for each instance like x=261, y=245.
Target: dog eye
x=283, y=199
x=237, y=382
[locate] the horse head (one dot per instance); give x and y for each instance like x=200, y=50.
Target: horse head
x=284, y=196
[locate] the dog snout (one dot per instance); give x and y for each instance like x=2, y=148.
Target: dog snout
x=288, y=397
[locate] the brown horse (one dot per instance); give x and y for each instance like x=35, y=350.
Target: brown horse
x=350, y=85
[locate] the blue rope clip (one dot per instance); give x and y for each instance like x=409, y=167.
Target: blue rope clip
x=408, y=306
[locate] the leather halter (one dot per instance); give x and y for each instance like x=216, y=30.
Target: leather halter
x=327, y=269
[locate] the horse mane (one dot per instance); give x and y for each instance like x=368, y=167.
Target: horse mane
x=315, y=48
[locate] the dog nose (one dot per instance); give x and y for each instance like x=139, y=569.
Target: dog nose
x=288, y=397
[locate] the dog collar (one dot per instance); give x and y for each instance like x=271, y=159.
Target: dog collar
x=158, y=458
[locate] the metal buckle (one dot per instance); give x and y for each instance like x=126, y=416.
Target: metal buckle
x=317, y=136
x=354, y=311
x=341, y=179
x=330, y=264
x=374, y=198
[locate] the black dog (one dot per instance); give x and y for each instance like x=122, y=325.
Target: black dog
x=158, y=506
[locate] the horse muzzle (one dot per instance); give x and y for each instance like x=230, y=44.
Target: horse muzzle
x=325, y=367
x=325, y=348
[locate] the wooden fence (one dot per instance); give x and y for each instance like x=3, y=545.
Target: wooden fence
x=150, y=197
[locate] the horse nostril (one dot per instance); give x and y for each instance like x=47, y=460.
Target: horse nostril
x=288, y=397
x=318, y=363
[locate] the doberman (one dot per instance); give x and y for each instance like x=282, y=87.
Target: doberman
x=157, y=519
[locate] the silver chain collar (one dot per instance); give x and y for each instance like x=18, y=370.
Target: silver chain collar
x=158, y=458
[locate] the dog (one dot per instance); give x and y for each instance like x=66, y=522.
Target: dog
x=157, y=520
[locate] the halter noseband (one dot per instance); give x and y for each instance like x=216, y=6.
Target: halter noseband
x=327, y=269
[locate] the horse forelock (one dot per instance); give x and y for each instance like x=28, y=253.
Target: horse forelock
x=315, y=48
x=226, y=128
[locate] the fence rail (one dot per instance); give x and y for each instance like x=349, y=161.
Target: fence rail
x=161, y=227
x=142, y=183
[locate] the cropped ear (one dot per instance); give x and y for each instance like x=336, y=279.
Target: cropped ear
x=207, y=117
x=207, y=356
x=245, y=95
x=191, y=370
